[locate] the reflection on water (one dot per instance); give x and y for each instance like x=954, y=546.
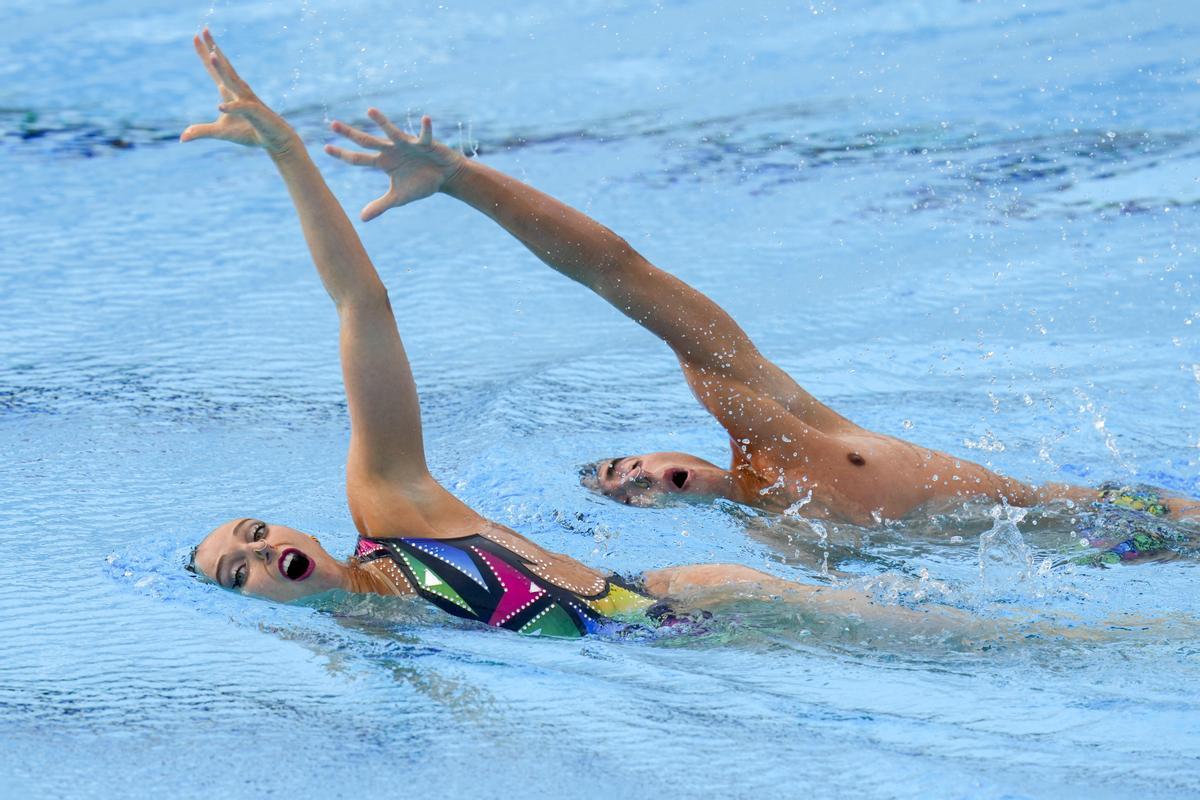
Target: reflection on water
x=999, y=173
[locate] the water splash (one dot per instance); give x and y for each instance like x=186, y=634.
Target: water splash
x=988, y=442
x=894, y=588
x=1088, y=407
x=1005, y=561
x=795, y=508
x=780, y=483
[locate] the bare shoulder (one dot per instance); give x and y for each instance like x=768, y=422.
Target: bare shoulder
x=751, y=375
x=421, y=507
x=384, y=508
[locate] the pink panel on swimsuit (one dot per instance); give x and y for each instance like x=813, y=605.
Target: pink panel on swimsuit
x=519, y=591
x=366, y=547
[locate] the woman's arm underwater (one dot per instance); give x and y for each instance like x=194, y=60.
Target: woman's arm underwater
x=706, y=340
x=386, y=448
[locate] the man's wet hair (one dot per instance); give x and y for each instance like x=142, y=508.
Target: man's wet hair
x=589, y=476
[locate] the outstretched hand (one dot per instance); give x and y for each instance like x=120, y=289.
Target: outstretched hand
x=244, y=119
x=417, y=165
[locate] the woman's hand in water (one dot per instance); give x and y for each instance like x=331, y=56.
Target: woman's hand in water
x=244, y=119
x=417, y=165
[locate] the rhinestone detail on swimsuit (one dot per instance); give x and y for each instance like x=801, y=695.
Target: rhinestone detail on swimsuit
x=516, y=597
x=466, y=567
x=528, y=625
x=392, y=574
x=543, y=565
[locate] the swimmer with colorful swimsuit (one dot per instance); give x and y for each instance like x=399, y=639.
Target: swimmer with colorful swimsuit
x=416, y=538
x=789, y=451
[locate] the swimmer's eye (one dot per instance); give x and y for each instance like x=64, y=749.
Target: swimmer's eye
x=258, y=532
x=641, y=483
x=239, y=577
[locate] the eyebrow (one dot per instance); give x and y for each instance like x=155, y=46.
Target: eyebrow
x=611, y=466
x=221, y=560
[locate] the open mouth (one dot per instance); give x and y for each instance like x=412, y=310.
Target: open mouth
x=294, y=565
x=679, y=477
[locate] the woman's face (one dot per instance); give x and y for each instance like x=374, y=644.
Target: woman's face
x=266, y=560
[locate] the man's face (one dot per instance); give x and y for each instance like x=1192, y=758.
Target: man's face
x=645, y=479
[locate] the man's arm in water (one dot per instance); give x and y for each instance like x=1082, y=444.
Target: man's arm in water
x=385, y=443
x=712, y=349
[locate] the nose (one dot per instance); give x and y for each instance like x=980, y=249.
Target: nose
x=635, y=477
x=263, y=552
x=608, y=472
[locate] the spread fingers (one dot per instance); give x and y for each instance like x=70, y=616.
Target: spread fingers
x=224, y=69
x=359, y=137
x=350, y=156
x=394, y=133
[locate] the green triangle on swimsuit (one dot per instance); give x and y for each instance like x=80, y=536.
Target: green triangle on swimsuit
x=554, y=621
x=429, y=580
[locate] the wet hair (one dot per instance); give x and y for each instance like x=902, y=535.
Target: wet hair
x=629, y=494
x=589, y=477
x=191, y=568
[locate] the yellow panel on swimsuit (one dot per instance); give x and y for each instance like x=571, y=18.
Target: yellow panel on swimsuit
x=618, y=601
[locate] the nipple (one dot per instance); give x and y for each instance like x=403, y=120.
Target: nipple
x=856, y=459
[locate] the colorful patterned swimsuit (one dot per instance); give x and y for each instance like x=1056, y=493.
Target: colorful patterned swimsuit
x=1125, y=526
x=476, y=578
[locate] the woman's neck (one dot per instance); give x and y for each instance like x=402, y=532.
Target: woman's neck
x=364, y=579
x=360, y=580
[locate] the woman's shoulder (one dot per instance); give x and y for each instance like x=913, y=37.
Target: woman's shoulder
x=383, y=508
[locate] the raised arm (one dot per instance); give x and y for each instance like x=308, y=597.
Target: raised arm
x=706, y=340
x=385, y=443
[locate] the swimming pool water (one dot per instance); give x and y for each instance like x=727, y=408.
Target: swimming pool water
x=969, y=224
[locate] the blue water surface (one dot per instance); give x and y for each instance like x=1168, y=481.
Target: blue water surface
x=971, y=224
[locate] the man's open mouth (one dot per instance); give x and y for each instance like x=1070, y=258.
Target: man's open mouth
x=679, y=477
x=294, y=565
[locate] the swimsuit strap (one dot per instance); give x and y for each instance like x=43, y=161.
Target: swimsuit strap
x=476, y=578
